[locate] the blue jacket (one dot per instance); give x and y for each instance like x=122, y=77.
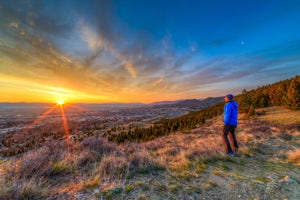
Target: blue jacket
x=230, y=113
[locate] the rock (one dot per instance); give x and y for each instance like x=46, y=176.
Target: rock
x=72, y=137
x=79, y=195
x=4, y=159
x=96, y=191
x=288, y=180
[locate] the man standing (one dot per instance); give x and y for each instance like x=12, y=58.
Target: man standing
x=230, y=123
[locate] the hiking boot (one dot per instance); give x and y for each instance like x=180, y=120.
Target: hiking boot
x=231, y=154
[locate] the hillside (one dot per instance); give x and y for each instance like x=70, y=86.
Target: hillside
x=189, y=103
x=177, y=166
x=283, y=93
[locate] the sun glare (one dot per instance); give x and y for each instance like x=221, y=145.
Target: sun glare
x=60, y=102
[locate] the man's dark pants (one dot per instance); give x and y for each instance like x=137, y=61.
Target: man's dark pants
x=229, y=130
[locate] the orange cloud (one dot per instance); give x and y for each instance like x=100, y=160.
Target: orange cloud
x=130, y=69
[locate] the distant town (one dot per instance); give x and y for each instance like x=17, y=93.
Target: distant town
x=24, y=126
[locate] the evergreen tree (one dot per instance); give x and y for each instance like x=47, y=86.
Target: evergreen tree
x=251, y=112
x=245, y=101
x=292, y=99
x=261, y=100
x=277, y=92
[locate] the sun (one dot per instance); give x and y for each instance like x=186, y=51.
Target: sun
x=60, y=102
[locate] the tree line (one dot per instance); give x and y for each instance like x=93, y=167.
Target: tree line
x=283, y=93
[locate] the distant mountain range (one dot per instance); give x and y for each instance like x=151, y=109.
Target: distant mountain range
x=189, y=103
x=186, y=103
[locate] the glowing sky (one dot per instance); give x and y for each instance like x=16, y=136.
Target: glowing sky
x=144, y=50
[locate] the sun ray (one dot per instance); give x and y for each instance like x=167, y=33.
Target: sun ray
x=61, y=105
x=40, y=118
x=65, y=122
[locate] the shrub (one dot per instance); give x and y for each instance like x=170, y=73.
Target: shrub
x=141, y=162
x=58, y=148
x=285, y=136
x=33, y=164
x=44, y=162
x=251, y=112
x=129, y=188
x=92, y=183
x=200, y=167
x=20, y=189
x=99, y=145
x=86, y=158
x=113, y=168
x=58, y=167
x=210, y=184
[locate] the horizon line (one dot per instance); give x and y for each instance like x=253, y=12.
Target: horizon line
x=19, y=102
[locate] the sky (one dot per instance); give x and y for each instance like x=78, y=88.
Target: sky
x=144, y=50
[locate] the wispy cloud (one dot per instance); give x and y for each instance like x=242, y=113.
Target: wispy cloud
x=97, y=54
x=158, y=81
x=130, y=69
x=94, y=41
x=36, y=49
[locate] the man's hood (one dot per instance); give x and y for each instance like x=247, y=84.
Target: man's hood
x=234, y=104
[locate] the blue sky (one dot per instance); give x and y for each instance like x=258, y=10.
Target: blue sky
x=145, y=51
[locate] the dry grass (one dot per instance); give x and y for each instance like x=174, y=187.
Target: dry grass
x=170, y=167
x=93, y=163
x=29, y=189
x=44, y=162
x=92, y=183
x=294, y=157
x=98, y=163
x=210, y=185
x=113, y=168
x=280, y=115
x=177, y=151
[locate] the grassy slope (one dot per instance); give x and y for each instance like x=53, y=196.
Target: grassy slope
x=280, y=115
x=267, y=166
x=179, y=166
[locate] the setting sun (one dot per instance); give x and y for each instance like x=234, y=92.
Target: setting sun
x=60, y=102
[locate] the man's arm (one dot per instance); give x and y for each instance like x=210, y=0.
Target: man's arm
x=227, y=114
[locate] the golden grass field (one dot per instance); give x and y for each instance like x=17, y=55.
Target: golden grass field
x=281, y=115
